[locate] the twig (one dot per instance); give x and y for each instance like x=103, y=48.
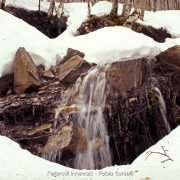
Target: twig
x=164, y=153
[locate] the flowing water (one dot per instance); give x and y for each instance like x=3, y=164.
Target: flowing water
x=162, y=107
x=92, y=98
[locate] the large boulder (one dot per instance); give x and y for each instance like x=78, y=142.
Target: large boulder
x=125, y=75
x=72, y=69
x=26, y=77
x=170, y=58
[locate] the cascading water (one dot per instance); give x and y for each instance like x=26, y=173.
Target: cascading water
x=162, y=107
x=92, y=97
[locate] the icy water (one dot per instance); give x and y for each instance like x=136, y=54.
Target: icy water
x=92, y=98
x=162, y=107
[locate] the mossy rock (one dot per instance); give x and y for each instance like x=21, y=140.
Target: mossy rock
x=96, y=22
x=153, y=97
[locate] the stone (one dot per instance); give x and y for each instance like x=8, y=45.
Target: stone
x=44, y=128
x=6, y=84
x=66, y=110
x=70, y=71
x=125, y=75
x=72, y=52
x=82, y=139
x=59, y=141
x=170, y=58
x=48, y=74
x=26, y=77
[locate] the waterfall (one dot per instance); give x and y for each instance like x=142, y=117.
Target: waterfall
x=162, y=107
x=92, y=98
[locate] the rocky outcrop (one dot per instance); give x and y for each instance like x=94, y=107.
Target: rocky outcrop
x=45, y=122
x=26, y=76
x=72, y=69
x=170, y=58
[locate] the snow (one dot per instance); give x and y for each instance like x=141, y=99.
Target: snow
x=19, y=164
x=102, y=8
x=170, y=167
x=170, y=20
x=111, y=44
x=16, y=33
x=102, y=46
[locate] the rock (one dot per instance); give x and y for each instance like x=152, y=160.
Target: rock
x=95, y=22
x=125, y=75
x=72, y=52
x=158, y=35
x=72, y=69
x=82, y=139
x=26, y=77
x=6, y=84
x=58, y=141
x=97, y=144
x=66, y=110
x=170, y=58
x=45, y=128
x=48, y=74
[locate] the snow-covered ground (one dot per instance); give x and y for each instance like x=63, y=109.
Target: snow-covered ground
x=19, y=164
x=102, y=46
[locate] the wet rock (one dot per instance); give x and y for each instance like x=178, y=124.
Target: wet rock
x=82, y=139
x=42, y=129
x=26, y=77
x=58, y=142
x=72, y=69
x=66, y=110
x=133, y=114
x=170, y=58
x=6, y=84
x=125, y=75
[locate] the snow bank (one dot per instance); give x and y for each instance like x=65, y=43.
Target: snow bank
x=29, y=4
x=102, y=46
x=15, y=33
x=19, y=164
x=170, y=20
x=112, y=44
x=102, y=8
x=171, y=145
x=76, y=13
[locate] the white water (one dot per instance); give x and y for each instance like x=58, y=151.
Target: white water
x=162, y=107
x=92, y=97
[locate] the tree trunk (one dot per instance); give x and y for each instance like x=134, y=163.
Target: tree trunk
x=114, y=10
x=51, y=8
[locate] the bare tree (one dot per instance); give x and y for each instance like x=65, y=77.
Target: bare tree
x=114, y=10
x=52, y=7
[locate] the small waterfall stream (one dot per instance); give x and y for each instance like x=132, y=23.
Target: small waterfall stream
x=92, y=97
x=162, y=107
